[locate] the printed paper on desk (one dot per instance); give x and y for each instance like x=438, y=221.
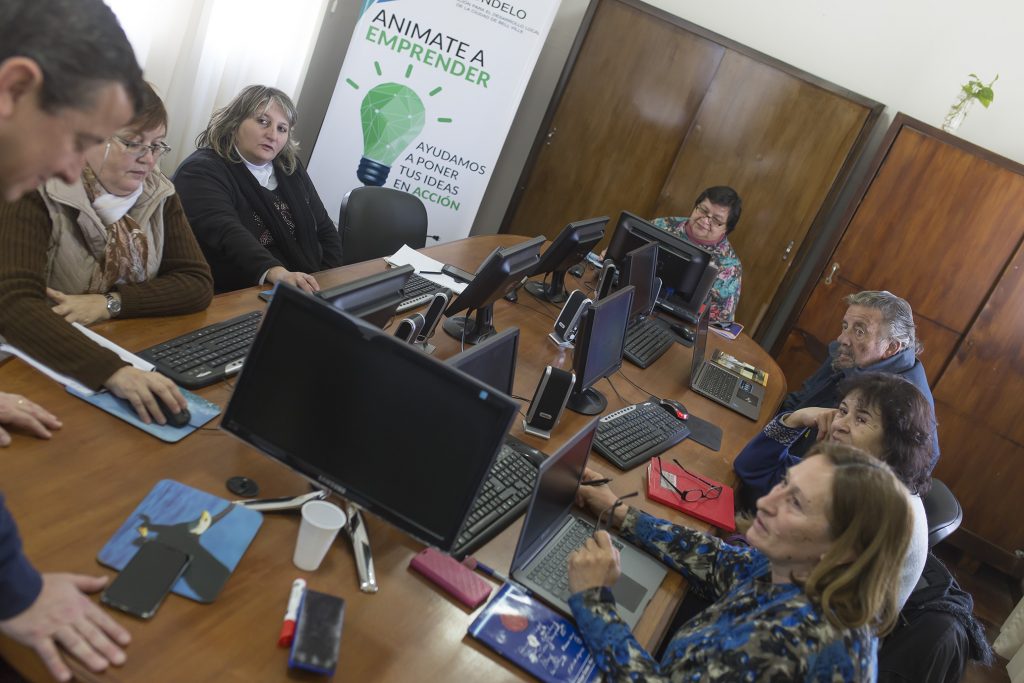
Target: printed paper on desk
x=720, y=512
x=432, y=267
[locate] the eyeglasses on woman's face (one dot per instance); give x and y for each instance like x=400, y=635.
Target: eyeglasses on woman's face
x=704, y=212
x=138, y=150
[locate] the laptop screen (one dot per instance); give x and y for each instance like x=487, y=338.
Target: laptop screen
x=554, y=494
x=379, y=422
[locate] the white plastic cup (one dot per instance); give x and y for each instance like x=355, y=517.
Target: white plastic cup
x=321, y=522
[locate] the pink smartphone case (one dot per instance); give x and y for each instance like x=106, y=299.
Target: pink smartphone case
x=454, y=578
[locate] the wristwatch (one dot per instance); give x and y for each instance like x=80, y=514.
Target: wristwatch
x=113, y=305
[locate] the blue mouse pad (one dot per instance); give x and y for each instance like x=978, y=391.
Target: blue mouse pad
x=200, y=410
x=213, y=531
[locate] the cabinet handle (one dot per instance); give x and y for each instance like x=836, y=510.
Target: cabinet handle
x=789, y=248
x=828, y=278
x=551, y=134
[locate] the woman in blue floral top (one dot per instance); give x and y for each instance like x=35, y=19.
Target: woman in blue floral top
x=715, y=214
x=804, y=603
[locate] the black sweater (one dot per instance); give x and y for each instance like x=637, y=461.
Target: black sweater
x=225, y=223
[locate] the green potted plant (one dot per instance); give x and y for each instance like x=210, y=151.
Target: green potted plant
x=971, y=91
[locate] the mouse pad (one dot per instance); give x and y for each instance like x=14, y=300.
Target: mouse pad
x=705, y=433
x=200, y=410
x=211, y=530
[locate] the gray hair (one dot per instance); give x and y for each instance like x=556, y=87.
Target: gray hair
x=896, y=313
x=254, y=99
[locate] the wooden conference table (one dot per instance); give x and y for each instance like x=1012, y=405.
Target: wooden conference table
x=71, y=493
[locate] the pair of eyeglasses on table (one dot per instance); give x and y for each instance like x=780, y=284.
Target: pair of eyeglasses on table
x=690, y=495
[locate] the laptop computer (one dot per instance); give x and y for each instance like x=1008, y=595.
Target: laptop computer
x=554, y=528
x=715, y=382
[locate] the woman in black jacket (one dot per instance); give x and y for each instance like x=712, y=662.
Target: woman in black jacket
x=250, y=202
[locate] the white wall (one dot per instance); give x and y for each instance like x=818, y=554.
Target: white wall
x=911, y=55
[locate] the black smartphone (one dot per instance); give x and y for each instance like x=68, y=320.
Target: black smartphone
x=146, y=580
x=457, y=273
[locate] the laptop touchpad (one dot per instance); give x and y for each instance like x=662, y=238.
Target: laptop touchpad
x=628, y=593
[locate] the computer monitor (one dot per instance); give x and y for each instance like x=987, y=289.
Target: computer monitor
x=379, y=422
x=569, y=248
x=492, y=361
x=373, y=298
x=500, y=272
x=680, y=264
x=638, y=270
x=598, y=352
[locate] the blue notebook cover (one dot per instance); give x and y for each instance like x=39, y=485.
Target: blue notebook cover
x=534, y=637
x=200, y=412
x=212, y=530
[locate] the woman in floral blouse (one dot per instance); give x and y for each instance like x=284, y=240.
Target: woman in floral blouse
x=804, y=603
x=715, y=214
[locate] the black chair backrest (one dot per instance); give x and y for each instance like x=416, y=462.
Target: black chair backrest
x=942, y=510
x=377, y=221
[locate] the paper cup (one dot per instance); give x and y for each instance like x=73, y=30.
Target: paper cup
x=321, y=522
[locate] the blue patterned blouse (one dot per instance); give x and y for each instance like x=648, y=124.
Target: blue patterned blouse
x=725, y=293
x=756, y=630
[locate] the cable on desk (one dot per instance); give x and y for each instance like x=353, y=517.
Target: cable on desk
x=614, y=389
x=537, y=310
x=635, y=385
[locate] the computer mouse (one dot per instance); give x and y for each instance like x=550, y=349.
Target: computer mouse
x=684, y=332
x=675, y=408
x=174, y=419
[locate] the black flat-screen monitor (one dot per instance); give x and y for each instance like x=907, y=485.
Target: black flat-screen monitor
x=499, y=274
x=598, y=352
x=377, y=421
x=492, y=361
x=638, y=270
x=373, y=298
x=680, y=264
x=569, y=248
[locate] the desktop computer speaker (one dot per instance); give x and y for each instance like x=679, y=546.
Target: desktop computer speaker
x=408, y=327
x=568, y=321
x=548, y=402
x=431, y=318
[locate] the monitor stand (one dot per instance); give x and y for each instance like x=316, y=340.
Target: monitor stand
x=553, y=292
x=356, y=528
x=590, y=401
x=469, y=330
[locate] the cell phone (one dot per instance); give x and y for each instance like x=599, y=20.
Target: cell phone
x=147, y=579
x=455, y=578
x=457, y=273
x=266, y=295
x=317, y=638
x=730, y=331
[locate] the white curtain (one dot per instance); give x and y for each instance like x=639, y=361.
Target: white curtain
x=199, y=54
x=1010, y=643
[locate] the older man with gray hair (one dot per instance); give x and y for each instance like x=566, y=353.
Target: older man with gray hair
x=878, y=335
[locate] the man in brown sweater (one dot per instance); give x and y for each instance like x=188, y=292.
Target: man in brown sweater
x=68, y=79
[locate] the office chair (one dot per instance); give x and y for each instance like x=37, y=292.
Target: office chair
x=943, y=512
x=377, y=221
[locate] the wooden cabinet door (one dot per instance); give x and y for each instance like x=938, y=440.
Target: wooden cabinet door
x=935, y=226
x=781, y=142
x=635, y=88
x=979, y=402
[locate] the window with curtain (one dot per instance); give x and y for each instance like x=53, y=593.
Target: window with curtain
x=199, y=53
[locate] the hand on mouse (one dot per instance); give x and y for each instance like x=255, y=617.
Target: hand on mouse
x=144, y=390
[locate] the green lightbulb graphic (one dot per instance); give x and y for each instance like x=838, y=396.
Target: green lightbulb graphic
x=392, y=116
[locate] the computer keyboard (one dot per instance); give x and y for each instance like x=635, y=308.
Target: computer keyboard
x=716, y=382
x=206, y=355
x=552, y=572
x=635, y=434
x=646, y=342
x=418, y=291
x=503, y=497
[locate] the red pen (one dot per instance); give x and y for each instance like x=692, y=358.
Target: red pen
x=294, y=600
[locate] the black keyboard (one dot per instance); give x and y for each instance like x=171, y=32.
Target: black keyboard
x=418, y=291
x=206, y=355
x=552, y=572
x=714, y=381
x=646, y=342
x=635, y=434
x=504, y=496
